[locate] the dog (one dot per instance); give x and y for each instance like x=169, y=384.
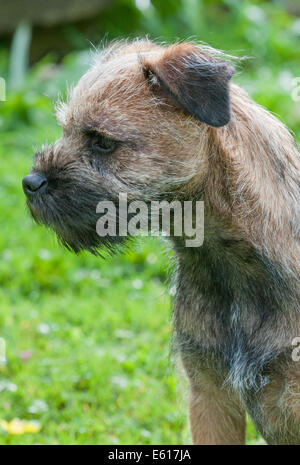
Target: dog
x=167, y=123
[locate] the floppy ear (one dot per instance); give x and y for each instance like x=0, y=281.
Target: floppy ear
x=194, y=80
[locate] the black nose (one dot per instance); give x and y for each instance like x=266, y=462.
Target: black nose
x=34, y=183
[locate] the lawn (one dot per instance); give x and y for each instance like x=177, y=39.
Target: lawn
x=87, y=339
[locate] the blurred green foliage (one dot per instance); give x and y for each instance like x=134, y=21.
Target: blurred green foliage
x=87, y=339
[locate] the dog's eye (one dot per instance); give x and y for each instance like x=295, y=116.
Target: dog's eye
x=102, y=144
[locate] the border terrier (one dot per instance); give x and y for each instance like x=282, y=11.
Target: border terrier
x=167, y=123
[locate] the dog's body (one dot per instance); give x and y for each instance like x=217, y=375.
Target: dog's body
x=156, y=123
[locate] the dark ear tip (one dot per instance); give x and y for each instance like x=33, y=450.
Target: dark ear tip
x=219, y=124
x=216, y=120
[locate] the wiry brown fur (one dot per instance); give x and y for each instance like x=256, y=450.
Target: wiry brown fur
x=185, y=132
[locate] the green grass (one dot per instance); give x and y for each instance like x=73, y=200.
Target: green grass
x=88, y=340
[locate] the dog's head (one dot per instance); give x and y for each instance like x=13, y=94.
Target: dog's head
x=137, y=122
